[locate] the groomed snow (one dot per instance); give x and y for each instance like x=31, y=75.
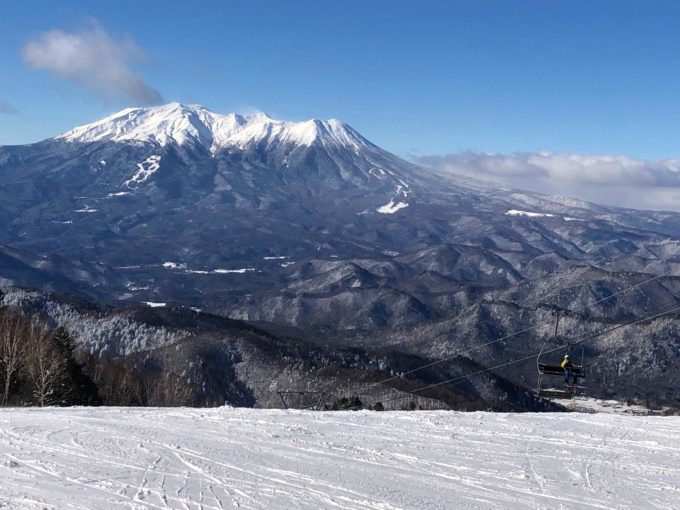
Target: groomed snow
x=227, y=458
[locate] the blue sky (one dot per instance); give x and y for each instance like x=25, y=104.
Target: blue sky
x=417, y=78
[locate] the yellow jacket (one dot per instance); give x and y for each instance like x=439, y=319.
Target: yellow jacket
x=567, y=363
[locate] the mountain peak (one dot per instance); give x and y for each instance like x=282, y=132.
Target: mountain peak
x=180, y=124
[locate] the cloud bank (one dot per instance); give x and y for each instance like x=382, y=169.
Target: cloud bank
x=91, y=58
x=611, y=180
x=7, y=108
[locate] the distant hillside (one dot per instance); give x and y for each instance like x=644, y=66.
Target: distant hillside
x=164, y=356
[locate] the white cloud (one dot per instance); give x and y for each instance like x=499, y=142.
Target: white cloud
x=93, y=59
x=7, y=108
x=611, y=180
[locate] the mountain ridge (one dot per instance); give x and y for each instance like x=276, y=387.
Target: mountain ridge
x=185, y=124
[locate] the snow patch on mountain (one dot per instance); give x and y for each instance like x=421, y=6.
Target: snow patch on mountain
x=528, y=214
x=391, y=207
x=152, y=304
x=86, y=209
x=379, y=173
x=173, y=265
x=396, y=204
x=145, y=170
x=183, y=267
x=180, y=124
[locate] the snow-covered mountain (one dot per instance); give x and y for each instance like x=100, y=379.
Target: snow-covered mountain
x=193, y=124
x=311, y=226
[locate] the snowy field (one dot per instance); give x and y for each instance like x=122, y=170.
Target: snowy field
x=243, y=458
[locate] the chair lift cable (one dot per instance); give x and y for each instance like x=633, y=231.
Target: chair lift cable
x=516, y=333
x=512, y=362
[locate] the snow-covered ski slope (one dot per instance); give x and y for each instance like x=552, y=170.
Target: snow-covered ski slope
x=243, y=458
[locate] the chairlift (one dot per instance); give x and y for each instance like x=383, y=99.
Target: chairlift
x=549, y=388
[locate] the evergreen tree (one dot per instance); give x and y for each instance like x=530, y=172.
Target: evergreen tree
x=75, y=386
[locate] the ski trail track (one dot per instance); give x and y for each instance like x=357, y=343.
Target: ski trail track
x=225, y=458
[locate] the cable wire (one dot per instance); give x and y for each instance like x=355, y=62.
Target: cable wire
x=517, y=333
x=586, y=337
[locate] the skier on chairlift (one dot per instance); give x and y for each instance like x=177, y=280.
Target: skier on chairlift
x=569, y=370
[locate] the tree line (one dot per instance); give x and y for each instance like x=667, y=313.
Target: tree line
x=38, y=365
x=41, y=366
